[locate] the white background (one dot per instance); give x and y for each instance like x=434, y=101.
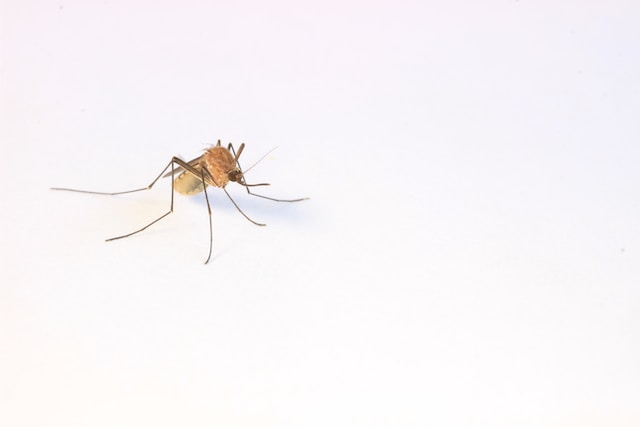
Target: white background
x=470, y=254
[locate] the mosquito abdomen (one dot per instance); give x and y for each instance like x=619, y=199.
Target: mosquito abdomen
x=188, y=184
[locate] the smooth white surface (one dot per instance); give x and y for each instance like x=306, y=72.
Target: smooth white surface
x=470, y=254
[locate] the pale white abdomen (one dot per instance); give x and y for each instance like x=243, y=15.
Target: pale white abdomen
x=188, y=184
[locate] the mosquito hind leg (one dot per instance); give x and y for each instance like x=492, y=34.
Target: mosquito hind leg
x=148, y=187
x=171, y=164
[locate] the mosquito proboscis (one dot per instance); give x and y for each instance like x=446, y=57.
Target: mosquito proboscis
x=216, y=168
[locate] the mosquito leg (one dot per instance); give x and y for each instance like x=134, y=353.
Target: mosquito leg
x=245, y=185
x=171, y=164
x=137, y=231
x=235, y=156
x=148, y=187
x=240, y=210
x=271, y=198
x=205, y=171
x=204, y=182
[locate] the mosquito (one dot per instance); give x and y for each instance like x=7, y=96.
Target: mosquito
x=216, y=168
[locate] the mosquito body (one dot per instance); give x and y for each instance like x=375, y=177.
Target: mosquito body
x=221, y=165
x=216, y=168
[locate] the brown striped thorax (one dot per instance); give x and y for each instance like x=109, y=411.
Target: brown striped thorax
x=219, y=165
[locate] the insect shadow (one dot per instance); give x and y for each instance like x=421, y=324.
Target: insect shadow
x=216, y=168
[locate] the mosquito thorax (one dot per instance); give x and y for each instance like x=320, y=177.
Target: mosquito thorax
x=219, y=163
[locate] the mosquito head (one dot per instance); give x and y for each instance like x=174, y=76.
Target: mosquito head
x=235, y=175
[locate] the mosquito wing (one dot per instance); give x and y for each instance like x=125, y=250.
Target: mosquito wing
x=195, y=163
x=186, y=182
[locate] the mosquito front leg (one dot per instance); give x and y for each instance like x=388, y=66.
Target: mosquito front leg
x=247, y=186
x=271, y=198
x=205, y=171
x=244, y=183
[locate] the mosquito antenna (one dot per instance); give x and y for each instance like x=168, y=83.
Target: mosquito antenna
x=259, y=160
